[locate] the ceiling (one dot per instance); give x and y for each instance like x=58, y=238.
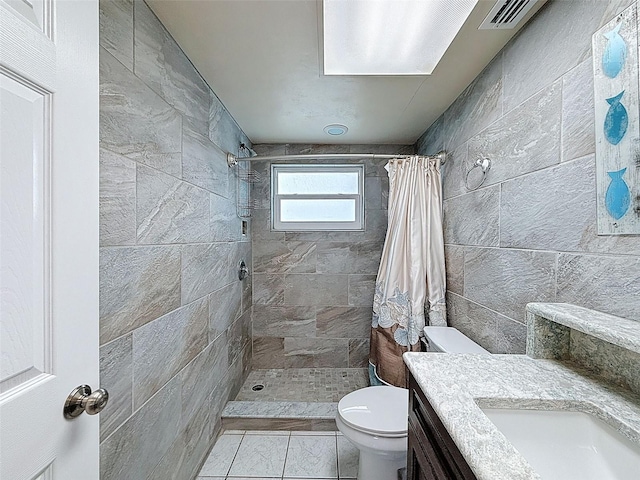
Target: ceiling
x=263, y=58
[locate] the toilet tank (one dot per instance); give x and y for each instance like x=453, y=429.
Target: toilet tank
x=450, y=340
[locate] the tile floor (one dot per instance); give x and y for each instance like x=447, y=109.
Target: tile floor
x=261, y=455
x=303, y=384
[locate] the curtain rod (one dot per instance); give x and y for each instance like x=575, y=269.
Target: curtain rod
x=232, y=160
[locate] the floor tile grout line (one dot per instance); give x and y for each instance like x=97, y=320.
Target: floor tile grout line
x=234, y=455
x=286, y=456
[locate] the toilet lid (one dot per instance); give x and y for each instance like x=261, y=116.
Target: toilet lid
x=378, y=410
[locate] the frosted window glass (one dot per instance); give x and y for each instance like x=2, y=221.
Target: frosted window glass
x=330, y=210
x=318, y=183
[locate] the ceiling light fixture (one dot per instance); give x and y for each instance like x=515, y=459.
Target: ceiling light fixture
x=335, y=129
x=389, y=37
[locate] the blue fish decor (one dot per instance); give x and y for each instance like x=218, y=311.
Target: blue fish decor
x=614, y=54
x=616, y=121
x=618, y=197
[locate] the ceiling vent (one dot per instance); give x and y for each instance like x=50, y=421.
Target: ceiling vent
x=507, y=14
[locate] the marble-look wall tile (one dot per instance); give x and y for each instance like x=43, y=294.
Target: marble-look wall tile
x=284, y=257
x=203, y=163
x=116, y=30
x=135, y=121
x=163, y=347
x=169, y=210
x=578, y=129
x=556, y=40
x=185, y=456
x=361, y=290
x=171, y=465
x=201, y=376
x=261, y=220
x=382, y=149
x=116, y=375
x=270, y=149
x=432, y=141
x=225, y=225
x=247, y=292
x=476, y=108
x=603, y=283
x=268, y=352
x=223, y=129
x=316, y=149
x=524, y=140
x=137, y=285
x=384, y=187
x=551, y=209
x=454, y=172
x=238, y=334
x=454, y=263
x=373, y=193
x=546, y=117
x=491, y=330
x=316, y=352
x=344, y=322
x=117, y=199
x=473, y=320
x=349, y=257
x=281, y=321
x=473, y=219
x=206, y=268
x=162, y=65
x=261, y=188
x=506, y=280
x=304, y=270
x=358, y=353
x=128, y=454
x=511, y=336
x=225, y=306
x=316, y=289
x=268, y=289
x=159, y=118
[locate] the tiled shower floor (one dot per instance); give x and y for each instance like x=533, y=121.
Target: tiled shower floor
x=303, y=384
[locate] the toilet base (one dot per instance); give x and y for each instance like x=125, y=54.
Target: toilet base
x=380, y=467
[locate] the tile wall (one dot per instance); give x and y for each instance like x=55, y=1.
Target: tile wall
x=529, y=234
x=313, y=291
x=174, y=318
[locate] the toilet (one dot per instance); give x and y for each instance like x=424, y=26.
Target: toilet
x=375, y=419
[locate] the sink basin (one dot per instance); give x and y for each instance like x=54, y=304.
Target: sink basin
x=568, y=445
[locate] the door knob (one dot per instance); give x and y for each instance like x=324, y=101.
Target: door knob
x=81, y=399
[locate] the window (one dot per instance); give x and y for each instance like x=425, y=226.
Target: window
x=317, y=197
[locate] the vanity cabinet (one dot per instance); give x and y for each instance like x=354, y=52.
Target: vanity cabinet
x=432, y=454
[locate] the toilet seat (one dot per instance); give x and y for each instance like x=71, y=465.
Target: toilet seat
x=381, y=411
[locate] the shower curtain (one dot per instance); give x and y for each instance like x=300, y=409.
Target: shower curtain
x=411, y=277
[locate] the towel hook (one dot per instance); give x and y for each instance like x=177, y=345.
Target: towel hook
x=485, y=165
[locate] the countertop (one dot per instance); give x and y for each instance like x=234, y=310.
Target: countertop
x=457, y=385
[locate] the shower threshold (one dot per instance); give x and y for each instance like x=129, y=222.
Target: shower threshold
x=291, y=399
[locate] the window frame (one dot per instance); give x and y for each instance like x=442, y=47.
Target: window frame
x=279, y=226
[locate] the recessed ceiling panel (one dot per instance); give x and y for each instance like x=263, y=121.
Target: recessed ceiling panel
x=389, y=37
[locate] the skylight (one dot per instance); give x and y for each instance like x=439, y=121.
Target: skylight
x=389, y=37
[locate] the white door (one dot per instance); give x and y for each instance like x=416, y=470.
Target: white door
x=48, y=236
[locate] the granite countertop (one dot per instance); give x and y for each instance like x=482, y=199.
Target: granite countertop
x=457, y=385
